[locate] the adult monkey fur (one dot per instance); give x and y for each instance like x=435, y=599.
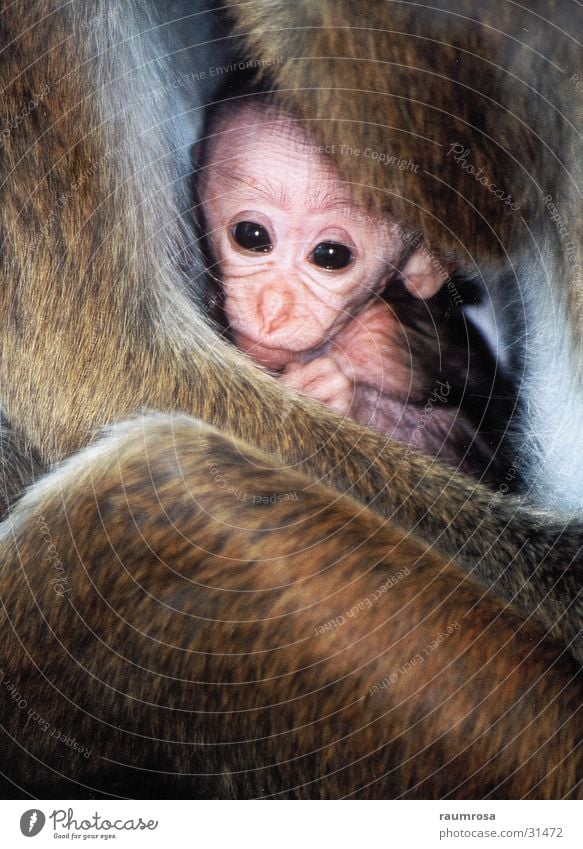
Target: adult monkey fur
x=131, y=542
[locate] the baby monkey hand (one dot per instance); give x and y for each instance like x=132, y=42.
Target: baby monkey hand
x=323, y=380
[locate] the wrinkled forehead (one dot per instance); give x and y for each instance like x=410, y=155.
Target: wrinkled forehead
x=252, y=120
x=266, y=143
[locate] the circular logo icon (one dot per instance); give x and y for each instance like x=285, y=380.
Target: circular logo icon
x=32, y=822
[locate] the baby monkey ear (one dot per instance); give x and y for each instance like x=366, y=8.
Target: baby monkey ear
x=424, y=273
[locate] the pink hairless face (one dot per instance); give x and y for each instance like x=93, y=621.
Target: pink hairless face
x=296, y=257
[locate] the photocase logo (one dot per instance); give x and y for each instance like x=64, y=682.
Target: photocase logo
x=32, y=822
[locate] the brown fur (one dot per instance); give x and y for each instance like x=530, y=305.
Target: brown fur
x=20, y=467
x=221, y=610
x=96, y=325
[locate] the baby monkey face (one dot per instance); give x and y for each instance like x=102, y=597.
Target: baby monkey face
x=296, y=256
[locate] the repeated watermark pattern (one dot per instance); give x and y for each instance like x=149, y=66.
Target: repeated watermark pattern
x=21, y=703
x=186, y=80
x=253, y=498
x=439, y=395
x=14, y=123
x=415, y=661
x=380, y=156
x=461, y=155
x=364, y=604
x=410, y=238
x=60, y=580
x=568, y=241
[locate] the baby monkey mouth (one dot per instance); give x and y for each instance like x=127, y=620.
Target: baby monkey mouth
x=275, y=358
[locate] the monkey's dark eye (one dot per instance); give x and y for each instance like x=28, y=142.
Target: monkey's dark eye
x=252, y=236
x=331, y=255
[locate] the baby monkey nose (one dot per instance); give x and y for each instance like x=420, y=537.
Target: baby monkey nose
x=275, y=306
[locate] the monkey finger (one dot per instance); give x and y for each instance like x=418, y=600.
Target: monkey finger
x=323, y=380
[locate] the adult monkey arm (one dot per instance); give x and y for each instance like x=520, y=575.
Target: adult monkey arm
x=96, y=318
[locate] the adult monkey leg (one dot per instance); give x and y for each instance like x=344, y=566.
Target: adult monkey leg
x=183, y=618
x=97, y=321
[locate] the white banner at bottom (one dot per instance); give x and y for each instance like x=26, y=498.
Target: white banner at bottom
x=279, y=825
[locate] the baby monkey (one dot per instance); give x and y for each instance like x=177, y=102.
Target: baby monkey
x=306, y=278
